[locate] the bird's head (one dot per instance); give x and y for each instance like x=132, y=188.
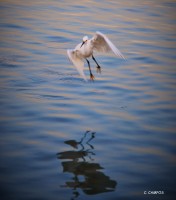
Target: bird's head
x=85, y=38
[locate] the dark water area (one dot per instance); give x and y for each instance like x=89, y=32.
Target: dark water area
x=66, y=139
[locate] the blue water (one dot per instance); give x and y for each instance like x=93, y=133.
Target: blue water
x=63, y=138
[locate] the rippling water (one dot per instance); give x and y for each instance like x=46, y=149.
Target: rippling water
x=62, y=138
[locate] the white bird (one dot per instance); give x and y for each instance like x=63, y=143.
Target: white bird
x=99, y=42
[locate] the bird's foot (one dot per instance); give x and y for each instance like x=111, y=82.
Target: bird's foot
x=98, y=69
x=92, y=77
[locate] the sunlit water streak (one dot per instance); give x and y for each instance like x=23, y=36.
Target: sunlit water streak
x=44, y=102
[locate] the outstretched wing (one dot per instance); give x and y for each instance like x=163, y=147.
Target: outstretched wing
x=77, y=62
x=103, y=44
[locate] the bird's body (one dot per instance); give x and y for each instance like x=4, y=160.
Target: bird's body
x=99, y=42
x=86, y=50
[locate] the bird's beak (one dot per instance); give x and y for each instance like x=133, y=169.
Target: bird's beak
x=82, y=44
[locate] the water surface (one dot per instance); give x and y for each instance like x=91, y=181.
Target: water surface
x=63, y=138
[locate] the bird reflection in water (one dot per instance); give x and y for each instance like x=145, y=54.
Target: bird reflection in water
x=87, y=174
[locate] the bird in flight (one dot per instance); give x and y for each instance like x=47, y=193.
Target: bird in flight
x=100, y=43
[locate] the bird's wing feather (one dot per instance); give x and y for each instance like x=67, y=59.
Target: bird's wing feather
x=103, y=44
x=77, y=62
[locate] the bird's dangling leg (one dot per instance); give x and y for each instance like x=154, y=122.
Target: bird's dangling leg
x=91, y=75
x=98, y=66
